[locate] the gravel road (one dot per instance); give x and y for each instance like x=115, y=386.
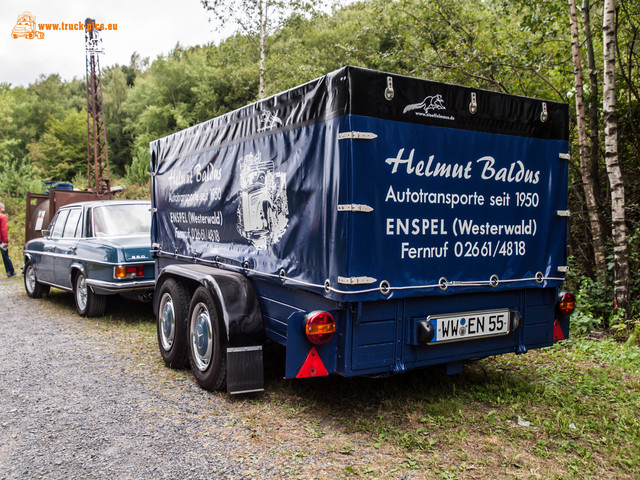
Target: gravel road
x=72, y=406
x=86, y=398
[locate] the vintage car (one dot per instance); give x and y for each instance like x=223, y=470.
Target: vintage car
x=93, y=249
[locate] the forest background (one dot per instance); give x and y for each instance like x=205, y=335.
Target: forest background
x=512, y=46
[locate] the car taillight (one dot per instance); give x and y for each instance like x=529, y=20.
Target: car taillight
x=566, y=304
x=128, y=271
x=319, y=327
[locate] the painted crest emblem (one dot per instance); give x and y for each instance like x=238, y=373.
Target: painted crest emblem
x=263, y=209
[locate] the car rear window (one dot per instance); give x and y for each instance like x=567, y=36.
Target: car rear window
x=117, y=220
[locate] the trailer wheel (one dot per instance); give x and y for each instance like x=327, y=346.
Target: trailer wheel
x=88, y=303
x=34, y=288
x=206, y=352
x=173, y=311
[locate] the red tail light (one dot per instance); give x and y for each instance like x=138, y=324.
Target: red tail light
x=319, y=327
x=129, y=271
x=566, y=304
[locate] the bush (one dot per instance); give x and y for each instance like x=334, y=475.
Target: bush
x=18, y=176
x=136, y=173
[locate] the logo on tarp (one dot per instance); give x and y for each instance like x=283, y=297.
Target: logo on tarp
x=428, y=107
x=269, y=120
x=263, y=209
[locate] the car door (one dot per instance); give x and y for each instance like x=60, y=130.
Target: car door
x=66, y=246
x=44, y=266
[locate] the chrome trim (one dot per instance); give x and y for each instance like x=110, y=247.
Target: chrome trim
x=116, y=286
x=55, y=285
x=99, y=262
x=254, y=348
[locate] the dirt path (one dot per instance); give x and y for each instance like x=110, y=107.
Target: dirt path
x=90, y=398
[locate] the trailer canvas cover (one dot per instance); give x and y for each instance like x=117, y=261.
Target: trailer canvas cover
x=362, y=185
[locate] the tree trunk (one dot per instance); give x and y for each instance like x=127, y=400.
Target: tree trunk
x=618, y=220
x=263, y=21
x=592, y=106
x=583, y=142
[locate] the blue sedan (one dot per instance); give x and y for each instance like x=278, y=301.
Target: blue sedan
x=93, y=249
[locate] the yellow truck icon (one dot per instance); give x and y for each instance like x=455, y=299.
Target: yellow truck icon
x=26, y=27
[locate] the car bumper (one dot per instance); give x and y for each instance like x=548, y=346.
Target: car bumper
x=119, y=287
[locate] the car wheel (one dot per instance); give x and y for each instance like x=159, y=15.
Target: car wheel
x=207, y=353
x=173, y=311
x=88, y=303
x=34, y=288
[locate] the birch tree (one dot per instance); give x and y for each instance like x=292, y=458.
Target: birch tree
x=618, y=219
x=259, y=20
x=586, y=168
x=592, y=101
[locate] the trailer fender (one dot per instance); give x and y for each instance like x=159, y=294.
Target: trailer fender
x=244, y=327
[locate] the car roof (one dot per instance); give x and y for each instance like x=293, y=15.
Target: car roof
x=99, y=203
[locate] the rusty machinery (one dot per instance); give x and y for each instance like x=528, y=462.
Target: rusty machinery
x=42, y=207
x=97, y=157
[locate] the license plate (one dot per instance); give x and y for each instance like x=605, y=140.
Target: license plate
x=466, y=326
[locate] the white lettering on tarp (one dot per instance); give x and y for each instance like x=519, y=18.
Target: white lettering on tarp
x=471, y=227
x=178, y=178
x=433, y=198
x=417, y=236
x=188, y=199
x=209, y=174
x=490, y=249
x=424, y=252
x=416, y=226
x=215, y=218
x=429, y=169
x=515, y=172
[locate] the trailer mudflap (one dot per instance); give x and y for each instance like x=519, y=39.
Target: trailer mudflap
x=304, y=359
x=245, y=373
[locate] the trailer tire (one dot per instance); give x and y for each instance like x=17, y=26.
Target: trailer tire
x=207, y=351
x=33, y=287
x=88, y=303
x=171, y=322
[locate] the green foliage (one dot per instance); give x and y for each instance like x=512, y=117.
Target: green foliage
x=61, y=152
x=514, y=46
x=115, y=91
x=137, y=172
x=17, y=175
x=594, y=304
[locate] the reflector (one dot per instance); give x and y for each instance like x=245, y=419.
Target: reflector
x=557, y=331
x=312, y=366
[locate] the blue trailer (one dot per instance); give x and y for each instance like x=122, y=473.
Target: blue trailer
x=370, y=223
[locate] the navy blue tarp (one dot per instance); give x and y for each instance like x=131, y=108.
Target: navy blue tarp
x=365, y=185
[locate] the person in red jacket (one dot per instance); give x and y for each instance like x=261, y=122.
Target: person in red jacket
x=4, y=243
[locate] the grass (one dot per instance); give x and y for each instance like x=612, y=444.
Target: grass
x=568, y=412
